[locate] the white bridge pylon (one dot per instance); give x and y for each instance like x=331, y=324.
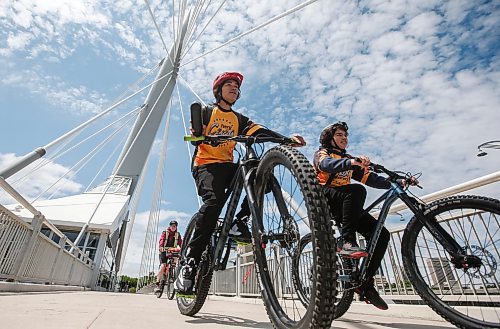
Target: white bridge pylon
x=130, y=167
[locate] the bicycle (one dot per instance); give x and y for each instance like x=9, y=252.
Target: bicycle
x=284, y=199
x=168, y=279
x=444, y=254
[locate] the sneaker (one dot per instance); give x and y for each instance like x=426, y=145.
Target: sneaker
x=370, y=295
x=185, y=281
x=351, y=250
x=157, y=287
x=240, y=232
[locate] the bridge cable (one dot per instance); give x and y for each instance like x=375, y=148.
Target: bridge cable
x=106, y=162
x=120, y=163
x=187, y=143
x=84, y=160
x=192, y=24
x=44, y=161
x=109, y=109
x=258, y=27
x=203, y=30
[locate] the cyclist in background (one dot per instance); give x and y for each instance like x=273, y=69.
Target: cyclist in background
x=335, y=168
x=213, y=170
x=170, y=241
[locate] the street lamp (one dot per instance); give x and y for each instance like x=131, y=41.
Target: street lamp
x=489, y=145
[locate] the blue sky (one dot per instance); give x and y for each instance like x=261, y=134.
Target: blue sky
x=418, y=82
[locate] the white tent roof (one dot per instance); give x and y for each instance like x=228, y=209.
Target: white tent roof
x=76, y=210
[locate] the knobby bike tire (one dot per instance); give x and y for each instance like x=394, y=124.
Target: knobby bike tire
x=159, y=293
x=344, y=290
x=191, y=306
x=486, y=212
x=319, y=313
x=170, y=281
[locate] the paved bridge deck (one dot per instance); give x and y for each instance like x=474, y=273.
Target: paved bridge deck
x=122, y=310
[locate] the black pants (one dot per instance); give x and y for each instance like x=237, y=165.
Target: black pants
x=346, y=205
x=212, y=180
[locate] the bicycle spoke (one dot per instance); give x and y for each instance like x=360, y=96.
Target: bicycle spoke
x=471, y=290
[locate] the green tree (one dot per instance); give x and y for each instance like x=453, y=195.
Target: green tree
x=127, y=283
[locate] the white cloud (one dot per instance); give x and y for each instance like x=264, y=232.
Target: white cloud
x=31, y=186
x=78, y=99
x=416, y=81
x=18, y=42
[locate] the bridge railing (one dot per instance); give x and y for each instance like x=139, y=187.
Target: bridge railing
x=27, y=255
x=240, y=279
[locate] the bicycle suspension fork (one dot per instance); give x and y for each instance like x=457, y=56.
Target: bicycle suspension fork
x=432, y=225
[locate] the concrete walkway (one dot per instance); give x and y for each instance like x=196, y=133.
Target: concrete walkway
x=96, y=310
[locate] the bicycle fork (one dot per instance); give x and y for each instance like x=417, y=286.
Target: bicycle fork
x=459, y=258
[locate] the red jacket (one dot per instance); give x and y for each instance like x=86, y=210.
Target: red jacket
x=170, y=241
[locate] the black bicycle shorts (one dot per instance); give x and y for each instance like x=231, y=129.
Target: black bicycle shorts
x=164, y=258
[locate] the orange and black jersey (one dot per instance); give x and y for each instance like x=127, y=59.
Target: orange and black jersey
x=229, y=123
x=337, y=163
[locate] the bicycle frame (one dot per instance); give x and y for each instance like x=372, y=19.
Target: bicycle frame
x=243, y=179
x=388, y=198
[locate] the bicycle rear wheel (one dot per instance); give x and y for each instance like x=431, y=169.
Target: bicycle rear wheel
x=292, y=207
x=187, y=305
x=302, y=277
x=467, y=297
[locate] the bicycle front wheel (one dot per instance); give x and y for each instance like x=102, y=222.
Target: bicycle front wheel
x=303, y=277
x=159, y=292
x=170, y=282
x=292, y=205
x=467, y=296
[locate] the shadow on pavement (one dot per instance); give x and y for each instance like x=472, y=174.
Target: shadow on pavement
x=369, y=324
x=203, y=318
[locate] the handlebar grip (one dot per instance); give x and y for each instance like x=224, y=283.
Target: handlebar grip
x=189, y=138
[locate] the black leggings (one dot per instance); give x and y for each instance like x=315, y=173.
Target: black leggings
x=346, y=205
x=212, y=180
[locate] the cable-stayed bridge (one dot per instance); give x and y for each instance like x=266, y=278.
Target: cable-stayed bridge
x=82, y=239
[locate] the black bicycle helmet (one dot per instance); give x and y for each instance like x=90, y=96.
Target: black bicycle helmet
x=327, y=133
x=174, y=222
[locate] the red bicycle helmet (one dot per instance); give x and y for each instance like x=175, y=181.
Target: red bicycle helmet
x=223, y=77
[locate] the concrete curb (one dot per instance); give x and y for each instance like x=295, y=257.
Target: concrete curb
x=33, y=287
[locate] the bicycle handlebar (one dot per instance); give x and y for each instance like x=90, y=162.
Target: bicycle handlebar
x=240, y=139
x=393, y=176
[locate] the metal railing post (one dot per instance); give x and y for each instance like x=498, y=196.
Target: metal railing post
x=277, y=268
x=62, y=243
x=25, y=255
x=239, y=282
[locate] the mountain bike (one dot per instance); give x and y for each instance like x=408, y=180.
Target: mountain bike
x=285, y=204
x=168, y=279
x=450, y=251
